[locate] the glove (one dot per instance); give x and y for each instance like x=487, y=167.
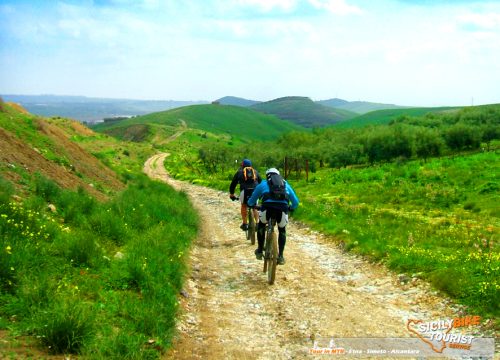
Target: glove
x=232, y=197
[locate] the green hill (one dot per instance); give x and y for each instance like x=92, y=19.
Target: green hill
x=235, y=121
x=236, y=101
x=359, y=107
x=385, y=116
x=303, y=111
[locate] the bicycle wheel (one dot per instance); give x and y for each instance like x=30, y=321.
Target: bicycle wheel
x=273, y=259
x=251, y=227
x=267, y=250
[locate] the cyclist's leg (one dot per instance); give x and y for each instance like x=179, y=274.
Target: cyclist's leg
x=244, y=214
x=281, y=240
x=261, y=229
x=283, y=221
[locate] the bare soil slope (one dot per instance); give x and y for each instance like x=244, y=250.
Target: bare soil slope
x=84, y=169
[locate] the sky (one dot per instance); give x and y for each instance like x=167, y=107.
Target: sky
x=404, y=52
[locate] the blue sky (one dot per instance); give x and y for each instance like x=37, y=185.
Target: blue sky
x=422, y=53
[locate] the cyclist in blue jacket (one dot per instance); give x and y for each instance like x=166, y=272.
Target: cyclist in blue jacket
x=271, y=207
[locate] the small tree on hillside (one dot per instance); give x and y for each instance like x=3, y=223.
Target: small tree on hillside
x=461, y=136
x=428, y=142
x=490, y=132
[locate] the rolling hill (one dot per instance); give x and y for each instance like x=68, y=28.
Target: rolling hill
x=385, y=116
x=236, y=101
x=359, y=107
x=238, y=122
x=303, y=111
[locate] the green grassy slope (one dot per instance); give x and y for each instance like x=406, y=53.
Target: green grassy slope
x=303, y=111
x=363, y=107
x=235, y=121
x=385, y=116
x=436, y=220
x=359, y=107
x=94, y=276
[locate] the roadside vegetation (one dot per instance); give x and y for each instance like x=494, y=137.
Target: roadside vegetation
x=97, y=277
x=385, y=116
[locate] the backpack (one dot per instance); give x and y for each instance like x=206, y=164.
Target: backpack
x=249, y=175
x=277, y=187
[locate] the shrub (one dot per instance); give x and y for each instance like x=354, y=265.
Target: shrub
x=65, y=326
x=46, y=188
x=80, y=248
x=6, y=190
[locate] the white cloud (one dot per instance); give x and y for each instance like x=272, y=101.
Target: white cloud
x=488, y=21
x=338, y=7
x=269, y=5
x=254, y=48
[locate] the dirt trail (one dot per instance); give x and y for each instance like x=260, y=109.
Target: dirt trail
x=230, y=312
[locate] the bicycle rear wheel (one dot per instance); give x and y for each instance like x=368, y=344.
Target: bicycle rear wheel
x=273, y=259
x=266, y=252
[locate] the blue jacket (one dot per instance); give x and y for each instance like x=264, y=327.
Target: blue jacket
x=263, y=188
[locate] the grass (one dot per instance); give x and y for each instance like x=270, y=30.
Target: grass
x=437, y=219
x=95, y=279
x=379, y=117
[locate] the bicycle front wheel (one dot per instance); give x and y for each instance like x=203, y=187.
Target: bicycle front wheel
x=251, y=227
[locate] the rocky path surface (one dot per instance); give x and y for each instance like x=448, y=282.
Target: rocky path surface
x=230, y=312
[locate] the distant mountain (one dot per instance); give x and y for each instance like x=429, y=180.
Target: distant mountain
x=303, y=111
x=359, y=107
x=88, y=109
x=333, y=102
x=236, y=101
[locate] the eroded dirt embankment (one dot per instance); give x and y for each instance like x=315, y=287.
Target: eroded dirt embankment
x=230, y=312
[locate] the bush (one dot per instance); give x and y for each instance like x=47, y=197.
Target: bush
x=80, y=249
x=65, y=326
x=6, y=190
x=46, y=188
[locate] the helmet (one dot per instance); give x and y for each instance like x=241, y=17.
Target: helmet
x=272, y=171
x=246, y=162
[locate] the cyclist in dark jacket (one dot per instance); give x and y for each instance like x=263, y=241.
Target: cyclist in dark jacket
x=247, y=185
x=273, y=208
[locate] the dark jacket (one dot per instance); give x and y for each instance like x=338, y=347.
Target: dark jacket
x=238, y=178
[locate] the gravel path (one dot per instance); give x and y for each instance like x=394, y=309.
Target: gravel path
x=230, y=312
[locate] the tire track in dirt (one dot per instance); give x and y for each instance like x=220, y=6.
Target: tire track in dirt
x=230, y=312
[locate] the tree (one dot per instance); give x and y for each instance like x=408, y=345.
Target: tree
x=428, y=142
x=489, y=133
x=461, y=136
